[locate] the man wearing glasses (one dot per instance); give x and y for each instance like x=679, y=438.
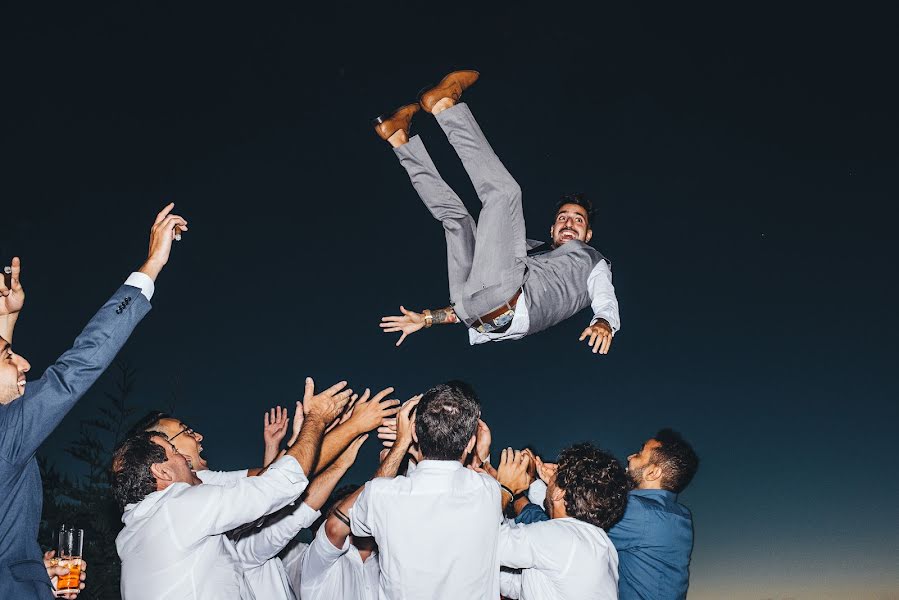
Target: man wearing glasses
x=29, y=412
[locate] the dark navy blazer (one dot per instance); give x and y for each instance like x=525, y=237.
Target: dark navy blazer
x=27, y=421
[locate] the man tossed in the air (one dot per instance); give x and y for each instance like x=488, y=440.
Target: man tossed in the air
x=502, y=285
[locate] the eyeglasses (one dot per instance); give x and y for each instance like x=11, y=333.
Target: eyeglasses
x=186, y=430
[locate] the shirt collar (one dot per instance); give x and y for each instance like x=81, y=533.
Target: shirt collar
x=654, y=493
x=439, y=465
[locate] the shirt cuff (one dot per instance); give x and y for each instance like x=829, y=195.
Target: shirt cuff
x=142, y=281
x=537, y=492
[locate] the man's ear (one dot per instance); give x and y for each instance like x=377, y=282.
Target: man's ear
x=652, y=473
x=162, y=474
x=470, y=445
x=414, y=436
x=558, y=494
x=589, y=234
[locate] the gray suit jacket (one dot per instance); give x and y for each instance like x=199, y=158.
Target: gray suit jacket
x=27, y=421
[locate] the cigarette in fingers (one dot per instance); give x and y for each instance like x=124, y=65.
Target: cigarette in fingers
x=7, y=270
x=177, y=233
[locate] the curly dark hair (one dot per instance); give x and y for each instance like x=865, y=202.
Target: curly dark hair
x=595, y=485
x=579, y=199
x=445, y=420
x=131, y=479
x=677, y=458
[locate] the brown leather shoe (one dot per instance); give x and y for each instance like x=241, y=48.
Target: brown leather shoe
x=386, y=125
x=450, y=86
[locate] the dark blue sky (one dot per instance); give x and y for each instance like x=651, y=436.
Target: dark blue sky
x=744, y=165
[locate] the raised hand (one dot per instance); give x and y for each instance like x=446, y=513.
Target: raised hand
x=405, y=422
x=482, y=442
x=325, y=405
x=600, y=334
x=12, y=296
x=297, y=424
x=546, y=471
x=274, y=426
x=369, y=414
x=409, y=322
x=512, y=471
x=166, y=228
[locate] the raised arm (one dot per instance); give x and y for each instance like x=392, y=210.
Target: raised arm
x=320, y=409
x=27, y=421
x=604, y=303
x=338, y=527
x=411, y=321
x=274, y=428
x=12, y=298
x=367, y=415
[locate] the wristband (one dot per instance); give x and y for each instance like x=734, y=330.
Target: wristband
x=505, y=489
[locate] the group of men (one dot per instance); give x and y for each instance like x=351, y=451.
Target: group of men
x=437, y=519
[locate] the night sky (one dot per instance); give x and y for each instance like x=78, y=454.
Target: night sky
x=744, y=166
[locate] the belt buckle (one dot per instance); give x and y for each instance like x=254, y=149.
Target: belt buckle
x=498, y=322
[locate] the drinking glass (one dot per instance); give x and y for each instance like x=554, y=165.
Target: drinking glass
x=68, y=551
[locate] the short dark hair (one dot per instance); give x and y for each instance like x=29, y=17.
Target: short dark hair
x=595, y=485
x=579, y=199
x=149, y=420
x=132, y=480
x=677, y=459
x=445, y=419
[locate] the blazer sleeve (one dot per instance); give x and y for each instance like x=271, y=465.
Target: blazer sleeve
x=27, y=421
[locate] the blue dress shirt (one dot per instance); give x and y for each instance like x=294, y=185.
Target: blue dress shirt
x=654, y=540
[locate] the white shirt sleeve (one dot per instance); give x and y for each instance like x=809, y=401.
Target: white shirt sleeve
x=221, y=477
x=259, y=544
x=602, y=295
x=510, y=584
x=537, y=492
x=320, y=556
x=517, y=548
x=360, y=513
x=202, y=510
x=142, y=281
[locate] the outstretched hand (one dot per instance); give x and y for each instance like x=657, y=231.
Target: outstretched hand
x=274, y=426
x=166, y=228
x=12, y=296
x=600, y=334
x=409, y=322
x=369, y=414
x=328, y=404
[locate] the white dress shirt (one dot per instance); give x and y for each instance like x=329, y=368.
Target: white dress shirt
x=602, y=300
x=173, y=545
x=221, y=477
x=258, y=550
x=561, y=559
x=329, y=572
x=258, y=547
x=292, y=562
x=436, y=532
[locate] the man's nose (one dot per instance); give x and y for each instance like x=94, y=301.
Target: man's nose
x=198, y=436
x=21, y=364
